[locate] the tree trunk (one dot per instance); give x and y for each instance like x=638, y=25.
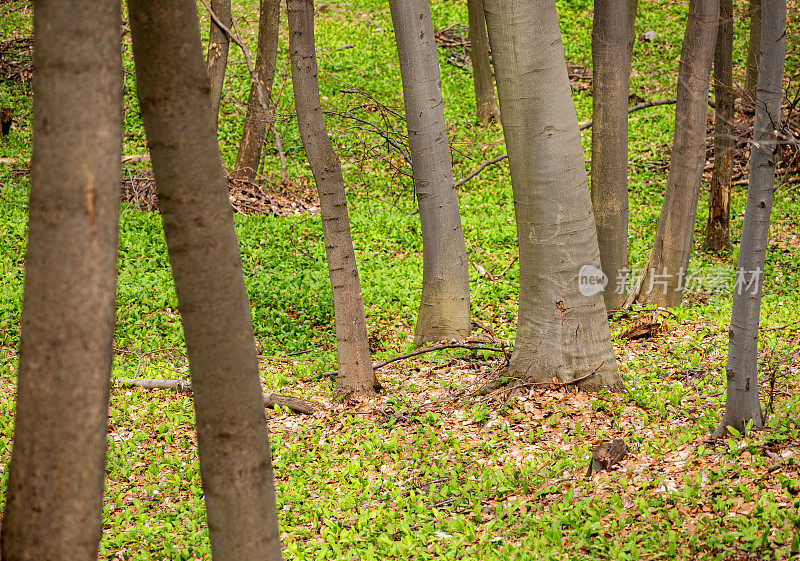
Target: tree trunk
x=666, y=270
x=633, y=7
x=611, y=65
x=753, y=50
x=444, y=307
x=255, y=123
x=55, y=486
x=485, y=101
x=356, y=375
x=719, y=212
x=235, y=462
x=217, y=60
x=563, y=330
x=741, y=404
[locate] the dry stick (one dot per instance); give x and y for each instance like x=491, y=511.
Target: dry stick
x=581, y=126
x=436, y=347
x=185, y=387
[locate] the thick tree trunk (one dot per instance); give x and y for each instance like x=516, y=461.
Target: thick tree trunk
x=633, y=7
x=562, y=328
x=741, y=404
x=611, y=65
x=719, y=212
x=485, y=100
x=217, y=59
x=356, y=375
x=55, y=486
x=235, y=462
x=666, y=271
x=444, y=307
x=255, y=122
x=753, y=50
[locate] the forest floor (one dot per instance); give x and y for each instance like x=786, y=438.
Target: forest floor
x=430, y=469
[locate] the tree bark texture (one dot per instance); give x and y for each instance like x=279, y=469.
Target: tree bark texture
x=217, y=59
x=561, y=332
x=719, y=212
x=444, y=306
x=255, y=122
x=235, y=462
x=356, y=375
x=485, y=100
x=741, y=404
x=633, y=7
x=666, y=270
x=611, y=66
x=55, y=487
x=753, y=50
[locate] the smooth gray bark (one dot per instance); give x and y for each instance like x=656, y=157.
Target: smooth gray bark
x=719, y=212
x=55, y=487
x=255, y=122
x=235, y=462
x=485, y=101
x=356, y=376
x=741, y=404
x=217, y=59
x=562, y=330
x=444, y=306
x=753, y=50
x=666, y=270
x=611, y=48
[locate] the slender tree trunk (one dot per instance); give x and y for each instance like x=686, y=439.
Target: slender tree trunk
x=485, y=100
x=666, y=271
x=719, y=212
x=255, y=123
x=217, y=60
x=235, y=462
x=55, y=486
x=741, y=404
x=356, y=375
x=444, y=307
x=562, y=327
x=753, y=50
x=611, y=66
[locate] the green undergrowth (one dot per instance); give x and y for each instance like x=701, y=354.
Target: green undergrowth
x=412, y=484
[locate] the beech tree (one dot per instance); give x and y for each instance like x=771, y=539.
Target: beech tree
x=444, y=306
x=662, y=283
x=562, y=329
x=719, y=211
x=485, y=101
x=356, y=375
x=55, y=486
x=612, y=45
x=218, y=45
x=741, y=403
x=753, y=50
x=257, y=117
x=232, y=441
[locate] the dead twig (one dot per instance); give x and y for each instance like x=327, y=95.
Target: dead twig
x=466, y=344
x=185, y=387
x=581, y=126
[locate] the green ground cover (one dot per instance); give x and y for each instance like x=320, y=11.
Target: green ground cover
x=425, y=471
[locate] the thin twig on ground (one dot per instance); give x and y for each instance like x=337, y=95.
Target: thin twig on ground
x=185, y=387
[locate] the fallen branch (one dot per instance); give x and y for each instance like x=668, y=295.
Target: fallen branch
x=779, y=327
x=467, y=344
x=185, y=387
x=581, y=126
